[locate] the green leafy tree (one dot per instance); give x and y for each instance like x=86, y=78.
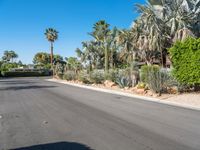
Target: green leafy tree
x=185, y=57
x=73, y=64
x=43, y=59
x=9, y=56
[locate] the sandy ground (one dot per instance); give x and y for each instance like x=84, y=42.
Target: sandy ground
x=191, y=99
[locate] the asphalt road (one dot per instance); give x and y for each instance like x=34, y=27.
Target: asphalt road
x=40, y=115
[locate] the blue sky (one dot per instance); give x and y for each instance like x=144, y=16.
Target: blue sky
x=23, y=22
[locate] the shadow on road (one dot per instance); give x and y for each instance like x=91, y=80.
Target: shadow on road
x=15, y=88
x=57, y=146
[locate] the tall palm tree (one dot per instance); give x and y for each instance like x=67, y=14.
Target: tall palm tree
x=100, y=33
x=51, y=35
x=112, y=40
x=128, y=41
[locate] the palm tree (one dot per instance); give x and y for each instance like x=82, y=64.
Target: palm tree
x=128, y=41
x=13, y=55
x=51, y=35
x=90, y=54
x=9, y=56
x=166, y=21
x=6, y=56
x=153, y=37
x=101, y=33
x=112, y=40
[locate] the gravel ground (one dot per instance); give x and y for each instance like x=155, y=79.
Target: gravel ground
x=191, y=99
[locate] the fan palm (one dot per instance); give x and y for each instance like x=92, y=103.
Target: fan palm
x=101, y=33
x=90, y=54
x=112, y=45
x=9, y=56
x=51, y=35
x=128, y=41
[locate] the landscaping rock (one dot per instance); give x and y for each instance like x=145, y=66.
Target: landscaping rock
x=132, y=89
x=172, y=90
x=126, y=88
x=140, y=91
x=150, y=93
x=108, y=83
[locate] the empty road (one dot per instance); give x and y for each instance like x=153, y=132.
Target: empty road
x=39, y=115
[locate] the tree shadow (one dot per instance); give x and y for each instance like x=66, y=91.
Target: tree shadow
x=16, y=88
x=57, y=146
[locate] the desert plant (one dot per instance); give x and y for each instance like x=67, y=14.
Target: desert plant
x=123, y=81
x=59, y=68
x=141, y=85
x=160, y=80
x=69, y=75
x=111, y=75
x=97, y=76
x=123, y=78
x=144, y=72
x=154, y=80
x=84, y=77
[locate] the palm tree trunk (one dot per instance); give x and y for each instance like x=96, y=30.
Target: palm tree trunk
x=111, y=60
x=162, y=59
x=52, y=55
x=131, y=69
x=106, y=59
x=90, y=69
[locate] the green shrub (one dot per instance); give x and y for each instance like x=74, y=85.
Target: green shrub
x=185, y=58
x=60, y=75
x=70, y=75
x=23, y=74
x=84, y=77
x=97, y=76
x=160, y=80
x=144, y=72
x=154, y=80
x=111, y=75
x=8, y=66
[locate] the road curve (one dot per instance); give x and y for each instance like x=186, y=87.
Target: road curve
x=39, y=115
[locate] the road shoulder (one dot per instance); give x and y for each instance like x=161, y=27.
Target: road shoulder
x=185, y=101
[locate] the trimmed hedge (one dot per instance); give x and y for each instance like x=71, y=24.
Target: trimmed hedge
x=24, y=74
x=185, y=58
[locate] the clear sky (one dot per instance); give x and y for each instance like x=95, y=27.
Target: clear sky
x=23, y=23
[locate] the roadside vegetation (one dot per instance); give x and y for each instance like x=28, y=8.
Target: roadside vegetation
x=159, y=53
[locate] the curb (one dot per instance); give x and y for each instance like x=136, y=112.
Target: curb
x=155, y=100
